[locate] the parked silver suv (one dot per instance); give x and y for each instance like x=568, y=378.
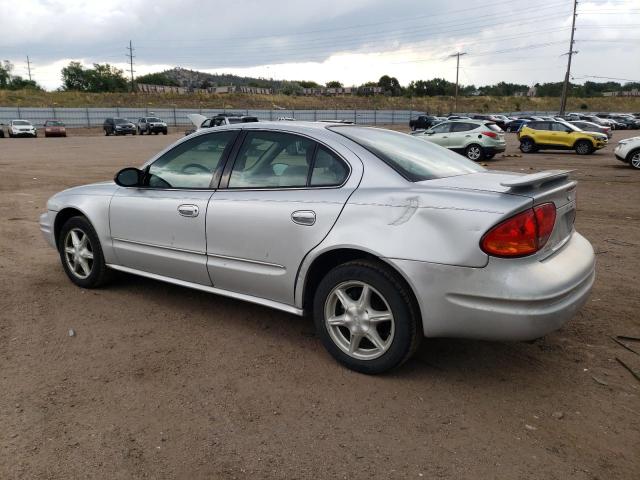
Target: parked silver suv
x=475, y=139
x=151, y=125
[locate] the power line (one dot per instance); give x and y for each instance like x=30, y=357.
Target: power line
x=565, y=87
x=130, y=55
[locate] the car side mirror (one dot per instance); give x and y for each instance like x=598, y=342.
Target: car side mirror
x=129, y=177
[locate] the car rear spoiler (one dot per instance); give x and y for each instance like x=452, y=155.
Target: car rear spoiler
x=536, y=180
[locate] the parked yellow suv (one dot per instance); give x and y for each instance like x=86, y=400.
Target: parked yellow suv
x=555, y=135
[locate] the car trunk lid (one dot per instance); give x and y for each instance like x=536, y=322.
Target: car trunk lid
x=541, y=187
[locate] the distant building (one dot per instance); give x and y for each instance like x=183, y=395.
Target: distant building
x=146, y=88
x=634, y=92
x=332, y=92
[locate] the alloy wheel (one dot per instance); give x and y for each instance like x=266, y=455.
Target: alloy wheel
x=635, y=160
x=473, y=153
x=78, y=253
x=359, y=320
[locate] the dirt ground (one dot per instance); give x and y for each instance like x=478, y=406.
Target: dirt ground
x=164, y=382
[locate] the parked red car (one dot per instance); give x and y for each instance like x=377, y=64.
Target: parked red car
x=54, y=128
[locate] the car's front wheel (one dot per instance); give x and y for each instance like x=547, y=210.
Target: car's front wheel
x=81, y=253
x=366, y=318
x=583, y=147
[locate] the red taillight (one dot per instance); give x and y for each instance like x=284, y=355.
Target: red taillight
x=522, y=234
x=490, y=134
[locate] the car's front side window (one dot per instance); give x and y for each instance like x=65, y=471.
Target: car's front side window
x=191, y=164
x=272, y=160
x=441, y=128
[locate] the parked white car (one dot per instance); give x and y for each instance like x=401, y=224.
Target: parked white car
x=628, y=151
x=475, y=139
x=22, y=128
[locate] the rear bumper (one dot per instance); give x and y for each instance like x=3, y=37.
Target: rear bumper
x=495, y=149
x=157, y=128
x=509, y=299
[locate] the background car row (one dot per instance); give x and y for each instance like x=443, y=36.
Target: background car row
x=24, y=128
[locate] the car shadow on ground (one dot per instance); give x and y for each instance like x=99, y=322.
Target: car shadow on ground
x=492, y=361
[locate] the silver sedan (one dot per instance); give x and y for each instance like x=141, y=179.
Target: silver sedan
x=382, y=237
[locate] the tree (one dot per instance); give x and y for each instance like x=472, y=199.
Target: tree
x=157, y=79
x=5, y=73
x=308, y=84
x=390, y=85
x=334, y=84
x=14, y=82
x=100, y=78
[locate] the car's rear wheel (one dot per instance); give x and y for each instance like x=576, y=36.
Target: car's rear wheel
x=164, y=132
x=634, y=159
x=527, y=145
x=474, y=152
x=365, y=316
x=583, y=147
x=81, y=253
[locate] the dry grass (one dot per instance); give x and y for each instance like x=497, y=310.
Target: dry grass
x=441, y=105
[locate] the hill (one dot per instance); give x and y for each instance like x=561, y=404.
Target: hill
x=31, y=98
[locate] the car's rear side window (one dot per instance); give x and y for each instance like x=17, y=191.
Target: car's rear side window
x=414, y=159
x=463, y=127
x=493, y=126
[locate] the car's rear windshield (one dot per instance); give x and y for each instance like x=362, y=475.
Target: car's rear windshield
x=414, y=159
x=21, y=122
x=55, y=123
x=120, y=121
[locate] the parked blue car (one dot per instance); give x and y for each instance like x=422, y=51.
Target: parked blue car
x=515, y=125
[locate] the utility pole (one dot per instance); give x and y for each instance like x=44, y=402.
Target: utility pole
x=457, y=55
x=130, y=55
x=565, y=87
x=29, y=67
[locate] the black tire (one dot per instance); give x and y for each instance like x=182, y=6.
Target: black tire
x=134, y=133
x=98, y=270
x=164, y=132
x=527, y=145
x=583, y=147
x=474, y=152
x=106, y=132
x=141, y=132
x=406, y=319
x=634, y=159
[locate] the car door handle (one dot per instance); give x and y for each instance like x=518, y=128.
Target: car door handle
x=304, y=217
x=188, y=210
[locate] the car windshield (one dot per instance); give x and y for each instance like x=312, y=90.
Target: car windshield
x=153, y=119
x=414, y=159
x=21, y=122
x=55, y=123
x=120, y=121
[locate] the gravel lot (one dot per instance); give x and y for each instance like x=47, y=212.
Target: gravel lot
x=164, y=382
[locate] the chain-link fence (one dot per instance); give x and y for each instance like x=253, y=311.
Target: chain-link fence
x=94, y=117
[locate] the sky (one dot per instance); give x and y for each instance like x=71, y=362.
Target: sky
x=354, y=41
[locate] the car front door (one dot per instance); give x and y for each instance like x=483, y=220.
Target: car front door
x=439, y=134
x=159, y=227
x=277, y=200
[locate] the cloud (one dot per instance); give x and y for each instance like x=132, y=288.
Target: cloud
x=352, y=41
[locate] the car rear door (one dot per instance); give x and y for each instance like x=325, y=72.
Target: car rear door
x=279, y=197
x=159, y=227
x=460, y=135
